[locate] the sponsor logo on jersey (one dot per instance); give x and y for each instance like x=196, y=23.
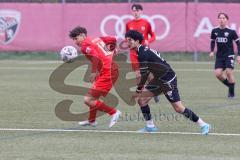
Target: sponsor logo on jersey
x=216, y=33
x=9, y=23
x=221, y=40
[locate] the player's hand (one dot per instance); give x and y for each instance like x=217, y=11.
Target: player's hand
x=238, y=59
x=211, y=54
x=92, y=77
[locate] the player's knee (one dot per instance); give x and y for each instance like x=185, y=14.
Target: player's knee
x=142, y=102
x=87, y=100
x=178, y=109
x=218, y=74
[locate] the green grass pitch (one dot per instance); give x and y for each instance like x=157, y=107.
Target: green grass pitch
x=28, y=102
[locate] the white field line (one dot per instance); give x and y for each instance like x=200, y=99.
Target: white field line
x=60, y=62
x=84, y=68
x=109, y=131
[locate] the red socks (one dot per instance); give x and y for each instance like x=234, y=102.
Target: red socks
x=103, y=107
x=92, y=114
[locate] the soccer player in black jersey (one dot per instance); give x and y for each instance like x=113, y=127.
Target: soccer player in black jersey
x=224, y=37
x=164, y=81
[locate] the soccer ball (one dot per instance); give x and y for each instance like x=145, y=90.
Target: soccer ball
x=68, y=53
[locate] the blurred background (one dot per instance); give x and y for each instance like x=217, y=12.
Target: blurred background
x=38, y=28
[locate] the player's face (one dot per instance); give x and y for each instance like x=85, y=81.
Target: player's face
x=136, y=13
x=79, y=39
x=222, y=20
x=132, y=44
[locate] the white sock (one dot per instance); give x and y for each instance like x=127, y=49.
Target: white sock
x=200, y=122
x=150, y=124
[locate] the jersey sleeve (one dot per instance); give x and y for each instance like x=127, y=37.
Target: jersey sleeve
x=151, y=33
x=212, y=43
x=109, y=40
x=237, y=40
x=92, y=55
x=144, y=70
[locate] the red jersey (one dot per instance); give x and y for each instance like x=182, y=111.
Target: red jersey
x=142, y=26
x=96, y=51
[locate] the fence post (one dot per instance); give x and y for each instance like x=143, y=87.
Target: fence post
x=196, y=55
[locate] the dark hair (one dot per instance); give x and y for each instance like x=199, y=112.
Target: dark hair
x=134, y=35
x=225, y=15
x=77, y=31
x=137, y=7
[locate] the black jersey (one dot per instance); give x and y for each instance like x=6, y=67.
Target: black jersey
x=150, y=61
x=224, y=39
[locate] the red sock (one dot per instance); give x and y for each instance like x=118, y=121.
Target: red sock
x=103, y=107
x=92, y=114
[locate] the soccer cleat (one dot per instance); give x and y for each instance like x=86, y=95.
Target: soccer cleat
x=87, y=123
x=114, y=118
x=148, y=129
x=157, y=99
x=231, y=95
x=205, y=129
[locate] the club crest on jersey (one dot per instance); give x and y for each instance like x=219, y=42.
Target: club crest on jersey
x=142, y=28
x=9, y=23
x=88, y=50
x=226, y=34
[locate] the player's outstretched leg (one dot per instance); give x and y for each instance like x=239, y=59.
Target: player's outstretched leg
x=92, y=118
x=150, y=127
x=114, y=113
x=188, y=113
x=94, y=105
x=231, y=83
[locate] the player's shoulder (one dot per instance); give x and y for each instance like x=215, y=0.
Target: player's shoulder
x=87, y=45
x=216, y=28
x=143, y=50
x=145, y=20
x=130, y=22
x=230, y=29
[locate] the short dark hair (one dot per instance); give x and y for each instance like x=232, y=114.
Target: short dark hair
x=137, y=7
x=77, y=31
x=225, y=15
x=134, y=35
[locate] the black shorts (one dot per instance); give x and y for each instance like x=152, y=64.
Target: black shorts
x=169, y=89
x=224, y=63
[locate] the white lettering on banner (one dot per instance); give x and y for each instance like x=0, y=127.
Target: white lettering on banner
x=120, y=25
x=205, y=27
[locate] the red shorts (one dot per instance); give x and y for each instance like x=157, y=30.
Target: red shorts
x=103, y=84
x=134, y=60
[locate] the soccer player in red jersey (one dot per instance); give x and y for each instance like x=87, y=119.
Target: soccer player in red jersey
x=143, y=26
x=104, y=72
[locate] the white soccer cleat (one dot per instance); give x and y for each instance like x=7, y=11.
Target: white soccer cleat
x=87, y=123
x=114, y=118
